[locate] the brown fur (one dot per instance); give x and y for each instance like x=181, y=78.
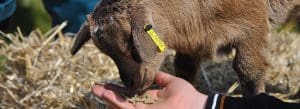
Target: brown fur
x=279, y=10
x=196, y=29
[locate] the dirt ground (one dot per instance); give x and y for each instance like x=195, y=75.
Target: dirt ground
x=36, y=72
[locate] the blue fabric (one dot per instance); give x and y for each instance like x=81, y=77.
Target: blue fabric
x=7, y=8
x=73, y=11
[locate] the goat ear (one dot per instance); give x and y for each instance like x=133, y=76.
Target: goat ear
x=82, y=36
x=142, y=42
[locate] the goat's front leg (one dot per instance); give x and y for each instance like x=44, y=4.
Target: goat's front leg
x=186, y=67
x=250, y=64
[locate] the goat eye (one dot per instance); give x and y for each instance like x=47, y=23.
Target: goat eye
x=97, y=31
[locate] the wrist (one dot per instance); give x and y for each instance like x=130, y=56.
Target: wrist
x=202, y=100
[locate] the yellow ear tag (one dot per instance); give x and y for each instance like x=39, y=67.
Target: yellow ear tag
x=158, y=42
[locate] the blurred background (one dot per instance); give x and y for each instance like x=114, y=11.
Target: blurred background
x=42, y=14
x=30, y=15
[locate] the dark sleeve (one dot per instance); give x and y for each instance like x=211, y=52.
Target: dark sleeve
x=261, y=101
x=7, y=8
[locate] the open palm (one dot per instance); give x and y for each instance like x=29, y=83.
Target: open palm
x=176, y=94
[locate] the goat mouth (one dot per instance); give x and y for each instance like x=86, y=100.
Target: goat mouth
x=141, y=90
x=146, y=82
x=141, y=86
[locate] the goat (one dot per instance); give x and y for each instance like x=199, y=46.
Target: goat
x=196, y=29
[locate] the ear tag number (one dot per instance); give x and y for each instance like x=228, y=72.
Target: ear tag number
x=158, y=42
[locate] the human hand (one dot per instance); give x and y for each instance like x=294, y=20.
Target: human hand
x=176, y=94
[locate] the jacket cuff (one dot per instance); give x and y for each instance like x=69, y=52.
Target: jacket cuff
x=215, y=101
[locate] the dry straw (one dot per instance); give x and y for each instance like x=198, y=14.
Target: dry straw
x=39, y=72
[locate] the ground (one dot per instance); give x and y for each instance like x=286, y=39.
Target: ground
x=37, y=72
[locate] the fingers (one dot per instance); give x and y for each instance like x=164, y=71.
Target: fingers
x=119, y=103
x=111, y=97
x=163, y=79
x=110, y=92
x=116, y=101
x=98, y=90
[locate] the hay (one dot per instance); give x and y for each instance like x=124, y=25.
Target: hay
x=39, y=72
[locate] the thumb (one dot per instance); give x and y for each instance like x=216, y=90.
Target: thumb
x=163, y=79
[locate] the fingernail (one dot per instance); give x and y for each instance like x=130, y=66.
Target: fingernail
x=98, y=90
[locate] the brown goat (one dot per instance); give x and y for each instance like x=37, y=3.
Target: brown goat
x=196, y=29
